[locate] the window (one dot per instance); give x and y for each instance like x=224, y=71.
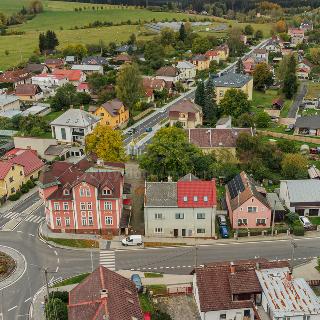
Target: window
x=67, y=222
x=109, y=220
x=82, y=192
x=56, y=206
x=261, y=222
x=185, y=198
x=66, y=192
x=223, y=316
x=84, y=220
x=65, y=206
x=201, y=230
x=63, y=134
x=252, y=209
x=21, y=173
x=158, y=230
x=58, y=222
x=241, y=209
x=242, y=222
x=107, y=205
x=88, y=193
x=306, y=317
x=13, y=190
x=201, y=215
x=82, y=206
x=205, y=198
x=106, y=191
x=89, y=205
x=158, y=216
x=195, y=199
x=90, y=220
x=179, y=215
x=11, y=179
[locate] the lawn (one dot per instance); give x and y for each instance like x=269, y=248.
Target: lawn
x=315, y=220
x=145, y=303
x=153, y=275
x=74, y=280
x=313, y=90
x=263, y=100
x=75, y=243
x=52, y=115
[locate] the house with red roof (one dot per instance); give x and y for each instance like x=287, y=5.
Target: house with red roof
x=213, y=55
x=297, y=36
x=104, y=294
x=83, y=87
x=74, y=76
x=186, y=208
x=84, y=198
x=16, y=168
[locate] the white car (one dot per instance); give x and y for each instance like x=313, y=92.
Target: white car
x=133, y=240
x=306, y=222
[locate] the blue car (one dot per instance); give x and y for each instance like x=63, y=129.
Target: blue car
x=224, y=232
x=135, y=278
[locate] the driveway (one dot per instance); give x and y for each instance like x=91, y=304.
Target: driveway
x=297, y=101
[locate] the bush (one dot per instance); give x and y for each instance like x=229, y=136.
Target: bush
x=298, y=230
x=62, y=295
x=24, y=188
x=30, y=184
x=15, y=197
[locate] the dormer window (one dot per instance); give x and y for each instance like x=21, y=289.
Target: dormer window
x=195, y=198
x=106, y=192
x=185, y=198
x=66, y=192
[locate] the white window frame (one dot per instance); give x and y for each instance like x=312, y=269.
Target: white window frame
x=202, y=229
x=158, y=216
x=205, y=198
x=65, y=206
x=158, y=230
x=106, y=192
x=82, y=192
x=66, y=192
x=185, y=199
x=109, y=220
x=67, y=221
x=89, y=205
x=82, y=206
x=252, y=208
x=88, y=193
x=56, y=206
x=107, y=205
x=201, y=214
x=84, y=221
x=179, y=216
x=90, y=219
x=195, y=198
x=260, y=223
x=58, y=222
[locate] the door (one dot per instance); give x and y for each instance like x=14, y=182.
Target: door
x=175, y=232
x=183, y=232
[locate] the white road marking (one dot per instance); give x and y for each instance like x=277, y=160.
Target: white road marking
x=49, y=246
x=107, y=259
x=27, y=299
x=55, y=252
x=30, y=234
x=58, y=260
x=57, y=268
x=15, y=307
x=20, y=231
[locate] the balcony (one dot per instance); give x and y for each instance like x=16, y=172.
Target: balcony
x=78, y=132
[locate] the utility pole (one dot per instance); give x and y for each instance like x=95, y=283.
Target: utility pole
x=294, y=246
x=196, y=256
x=47, y=284
x=273, y=217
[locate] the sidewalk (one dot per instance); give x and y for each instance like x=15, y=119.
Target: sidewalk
x=307, y=271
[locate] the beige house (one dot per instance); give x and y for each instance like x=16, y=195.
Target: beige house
x=187, y=113
x=201, y=62
x=233, y=81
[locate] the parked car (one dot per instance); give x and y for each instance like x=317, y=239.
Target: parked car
x=306, y=222
x=314, y=151
x=148, y=129
x=132, y=131
x=133, y=240
x=224, y=231
x=289, y=128
x=222, y=220
x=135, y=278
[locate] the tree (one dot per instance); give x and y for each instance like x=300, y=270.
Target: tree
x=210, y=108
x=290, y=85
x=154, y=54
x=132, y=39
x=258, y=35
x=48, y=41
x=65, y=97
x=315, y=55
x=78, y=50
x=129, y=85
x=235, y=44
x=56, y=309
x=294, y=166
x=200, y=45
x=167, y=37
x=248, y=30
x=287, y=146
x=240, y=66
x=213, y=67
x=262, y=76
x=106, y=143
x=169, y=154
x=281, y=26
x=36, y=6
x=234, y=103
x=42, y=42
x=245, y=120
x=262, y=120
x=182, y=33
x=199, y=98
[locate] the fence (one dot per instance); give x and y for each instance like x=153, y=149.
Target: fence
x=289, y=137
x=179, y=289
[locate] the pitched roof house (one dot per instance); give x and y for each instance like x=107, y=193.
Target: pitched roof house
x=15, y=77
x=201, y=62
x=104, y=294
x=187, y=70
x=213, y=55
x=96, y=60
x=308, y=125
x=247, y=204
x=187, y=208
x=28, y=92
x=54, y=63
x=187, y=113
x=9, y=102
x=37, y=68
x=168, y=73
x=74, y=76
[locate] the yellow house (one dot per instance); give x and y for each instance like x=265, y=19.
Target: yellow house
x=113, y=113
x=233, y=81
x=11, y=178
x=223, y=52
x=201, y=62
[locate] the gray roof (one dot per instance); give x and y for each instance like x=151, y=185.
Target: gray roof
x=307, y=190
x=95, y=60
x=75, y=118
x=6, y=99
x=311, y=122
x=189, y=177
x=274, y=202
x=161, y=194
x=232, y=80
x=185, y=65
x=8, y=133
x=10, y=113
x=54, y=150
x=87, y=67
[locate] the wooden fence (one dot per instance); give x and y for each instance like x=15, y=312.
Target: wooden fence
x=289, y=137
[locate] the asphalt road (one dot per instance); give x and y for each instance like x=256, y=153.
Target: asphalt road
x=297, y=101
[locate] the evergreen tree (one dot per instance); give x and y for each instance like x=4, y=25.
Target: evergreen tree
x=290, y=85
x=210, y=107
x=199, y=98
x=42, y=42
x=239, y=66
x=52, y=40
x=182, y=33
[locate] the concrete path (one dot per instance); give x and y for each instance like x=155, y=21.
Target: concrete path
x=307, y=271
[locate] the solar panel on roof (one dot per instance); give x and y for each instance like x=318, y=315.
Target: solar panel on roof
x=235, y=186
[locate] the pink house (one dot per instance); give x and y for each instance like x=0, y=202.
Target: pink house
x=82, y=198
x=247, y=204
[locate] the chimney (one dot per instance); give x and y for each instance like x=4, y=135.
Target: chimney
x=257, y=266
x=232, y=268
x=289, y=276
x=104, y=293
x=169, y=179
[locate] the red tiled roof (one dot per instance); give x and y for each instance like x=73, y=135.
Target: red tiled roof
x=54, y=62
x=72, y=75
x=211, y=53
x=122, y=58
x=217, y=285
x=27, y=89
x=4, y=168
x=83, y=86
x=153, y=83
x=167, y=71
x=119, y=301
x=15, y=76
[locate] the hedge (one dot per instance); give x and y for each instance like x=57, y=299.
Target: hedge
x=15, y=197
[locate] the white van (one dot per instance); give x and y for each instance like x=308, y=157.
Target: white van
x=133, y=240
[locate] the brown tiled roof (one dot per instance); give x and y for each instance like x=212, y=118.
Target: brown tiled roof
x=55, y=62
x=167, y=71
x=35, y=67
x=153, y=83
x=27, y=89
x=121, y=301
x=213, y=137
x=15, y=76
x=216, y=284
x=185, y=106
x=113, y=106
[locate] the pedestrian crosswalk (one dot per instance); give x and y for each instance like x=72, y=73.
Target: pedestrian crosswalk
x=34, y=218
x=30, y=218
x=108, y=259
